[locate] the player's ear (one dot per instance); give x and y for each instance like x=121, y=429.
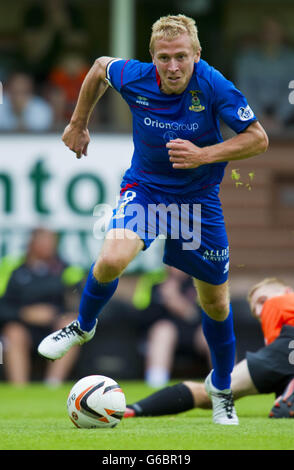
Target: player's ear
x=197, y=56
x=152, y=56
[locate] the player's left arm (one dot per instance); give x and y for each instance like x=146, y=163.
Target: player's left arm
x=252, y=141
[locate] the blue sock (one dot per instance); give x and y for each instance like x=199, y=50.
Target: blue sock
x=221, y=341
x=95, y=295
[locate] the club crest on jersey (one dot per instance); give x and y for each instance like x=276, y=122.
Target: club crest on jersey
x=196, y=105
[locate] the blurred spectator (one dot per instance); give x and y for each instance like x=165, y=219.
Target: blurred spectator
x=263, y=72
x=48, y=28
x=21, y=109
x=9, y=57
x=171, y=323
x=40, y=297
x=65, y=81
x=57, y=100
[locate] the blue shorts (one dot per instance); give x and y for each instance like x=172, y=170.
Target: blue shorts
x=193, y=225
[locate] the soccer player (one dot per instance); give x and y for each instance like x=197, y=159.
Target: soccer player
x=178, y=162
x=269, y=370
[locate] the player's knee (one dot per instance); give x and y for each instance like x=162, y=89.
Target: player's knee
x=109, y=267
x=217, y=309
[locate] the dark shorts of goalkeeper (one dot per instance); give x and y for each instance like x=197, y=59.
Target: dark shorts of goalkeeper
x=271, y=367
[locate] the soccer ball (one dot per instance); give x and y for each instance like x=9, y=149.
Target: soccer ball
x=96, y=401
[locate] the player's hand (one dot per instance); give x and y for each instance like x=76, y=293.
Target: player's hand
x=183, y=154
x=76, y=139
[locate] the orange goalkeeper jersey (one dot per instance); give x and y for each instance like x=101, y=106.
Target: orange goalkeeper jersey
x=277, y=312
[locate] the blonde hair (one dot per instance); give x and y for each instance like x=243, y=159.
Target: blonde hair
x=171, y=26
x=265, y=282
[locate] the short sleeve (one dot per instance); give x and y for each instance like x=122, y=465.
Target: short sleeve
x=121, y=72
x=230, y=104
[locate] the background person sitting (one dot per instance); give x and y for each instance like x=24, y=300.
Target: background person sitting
x=67, y=77
x=21, y=109
x=40, y=296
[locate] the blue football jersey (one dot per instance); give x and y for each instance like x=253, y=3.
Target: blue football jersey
x=192, y=115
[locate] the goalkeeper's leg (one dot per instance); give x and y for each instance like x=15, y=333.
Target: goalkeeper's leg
x=188, y=395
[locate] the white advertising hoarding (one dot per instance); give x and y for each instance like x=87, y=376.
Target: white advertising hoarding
x=42, y=183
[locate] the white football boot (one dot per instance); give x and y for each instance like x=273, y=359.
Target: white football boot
x=222, y=403
x=56, y=345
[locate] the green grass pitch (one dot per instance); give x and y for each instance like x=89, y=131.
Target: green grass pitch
x=35, y=417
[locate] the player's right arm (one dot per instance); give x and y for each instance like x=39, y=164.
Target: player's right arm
x=76, y=135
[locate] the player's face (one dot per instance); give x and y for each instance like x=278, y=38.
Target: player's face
x=263, y=293
x=259, y=297
x=174, y=60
